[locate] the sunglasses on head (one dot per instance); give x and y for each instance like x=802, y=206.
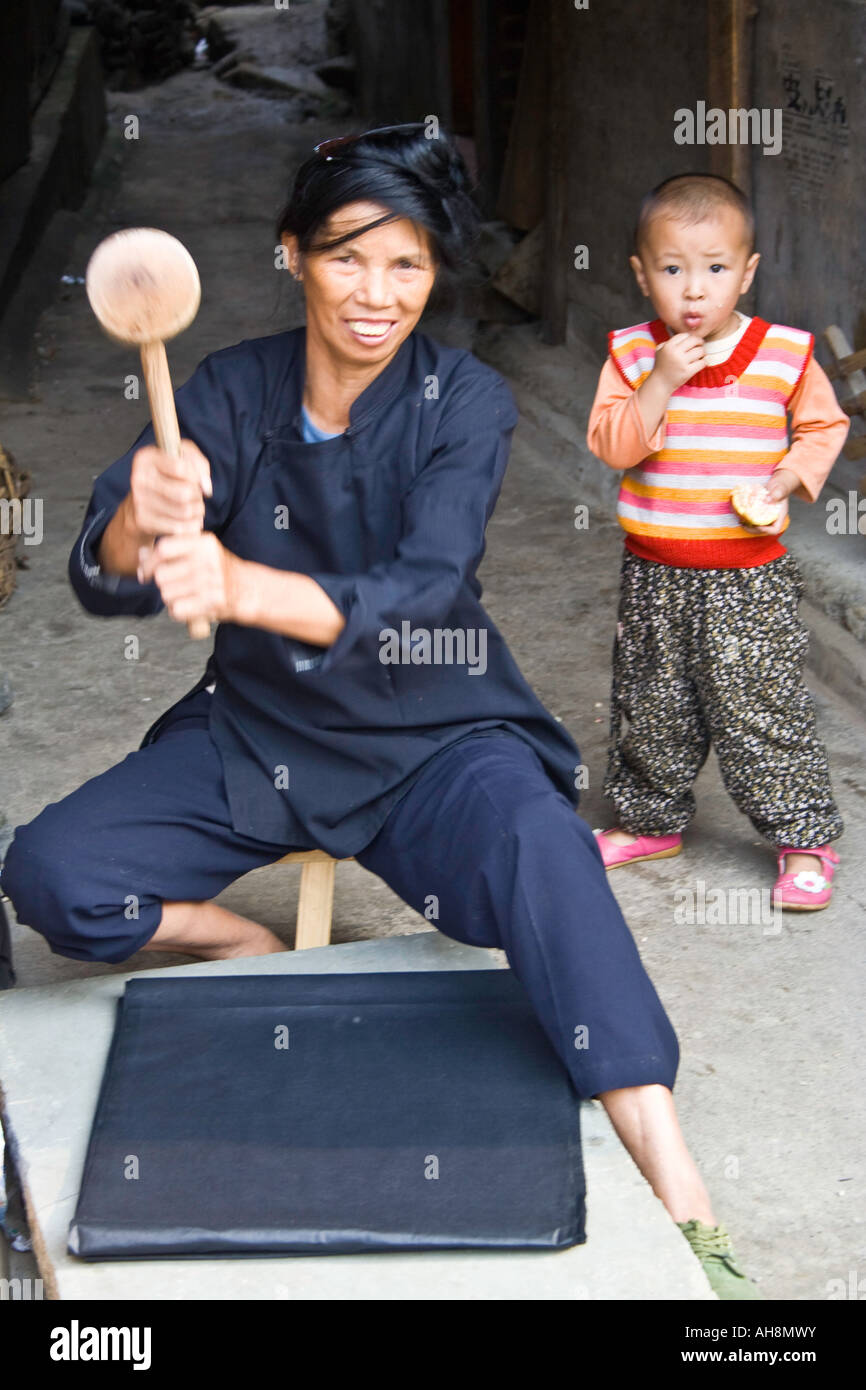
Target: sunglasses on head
x=328, y=148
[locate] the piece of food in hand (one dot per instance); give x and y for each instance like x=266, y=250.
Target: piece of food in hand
x=753, y=505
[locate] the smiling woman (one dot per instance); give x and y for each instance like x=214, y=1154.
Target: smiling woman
x=340, y=499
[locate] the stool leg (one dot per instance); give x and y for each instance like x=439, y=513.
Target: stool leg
x=315, y=904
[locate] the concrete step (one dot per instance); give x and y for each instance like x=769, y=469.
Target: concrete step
x=53, y=1046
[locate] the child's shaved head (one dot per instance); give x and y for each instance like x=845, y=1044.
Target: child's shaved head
x=693, y=198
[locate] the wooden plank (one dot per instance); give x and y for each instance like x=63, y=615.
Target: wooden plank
x=522, y=190
x=498, y=35
x=729, y=50
x=557, y=259
x=846, y=366
x=482, y=95
x=460, y=49
x=843, y=366
x=846, y=362
x=521, y=277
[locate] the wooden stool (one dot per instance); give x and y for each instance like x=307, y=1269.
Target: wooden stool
x=316, y=899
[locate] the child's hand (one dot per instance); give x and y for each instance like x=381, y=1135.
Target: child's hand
x=782, y=484
x=679, y=358
x=778, y=489
x=778, y=525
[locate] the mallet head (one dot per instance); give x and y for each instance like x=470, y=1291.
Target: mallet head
x=143, y=285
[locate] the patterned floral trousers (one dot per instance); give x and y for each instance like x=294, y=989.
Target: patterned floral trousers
x=716, y=657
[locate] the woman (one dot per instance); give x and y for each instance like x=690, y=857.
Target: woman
x=346, y=474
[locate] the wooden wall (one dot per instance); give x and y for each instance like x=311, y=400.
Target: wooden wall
x=621, y=71
x=810, y=60
x=32, y=36
x=402, y=53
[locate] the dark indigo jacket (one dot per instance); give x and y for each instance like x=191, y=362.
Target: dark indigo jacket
x=389, y=518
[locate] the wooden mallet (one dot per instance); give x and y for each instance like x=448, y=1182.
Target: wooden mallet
x=143, y=287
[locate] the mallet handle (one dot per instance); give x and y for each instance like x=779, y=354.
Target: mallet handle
x=154, y=365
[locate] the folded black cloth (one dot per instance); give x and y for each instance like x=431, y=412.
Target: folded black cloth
x=324, y=1114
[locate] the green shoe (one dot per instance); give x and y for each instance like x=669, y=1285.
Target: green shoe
x=712, y=1246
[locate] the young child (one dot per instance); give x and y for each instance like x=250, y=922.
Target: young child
x=709, y=645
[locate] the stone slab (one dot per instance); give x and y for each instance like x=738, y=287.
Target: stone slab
x=53, y=1045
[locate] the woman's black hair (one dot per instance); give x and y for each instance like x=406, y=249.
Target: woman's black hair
x=414, y=174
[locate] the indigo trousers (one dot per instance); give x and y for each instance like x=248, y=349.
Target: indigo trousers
x=482, y=844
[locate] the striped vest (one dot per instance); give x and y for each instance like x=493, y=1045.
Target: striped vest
x=725, y=426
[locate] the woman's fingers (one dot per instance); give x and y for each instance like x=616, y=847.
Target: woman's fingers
x=189, y=573
x=167, y=492
x=197, y=465
x=184, y=609
x=157, y=517
x=174, y=559
x=159, y=511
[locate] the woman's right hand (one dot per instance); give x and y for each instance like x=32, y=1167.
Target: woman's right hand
x=166, y=495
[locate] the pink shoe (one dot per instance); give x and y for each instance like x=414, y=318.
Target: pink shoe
x=806, y=891
x=644, y=847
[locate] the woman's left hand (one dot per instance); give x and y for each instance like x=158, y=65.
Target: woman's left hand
x=196, y=577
